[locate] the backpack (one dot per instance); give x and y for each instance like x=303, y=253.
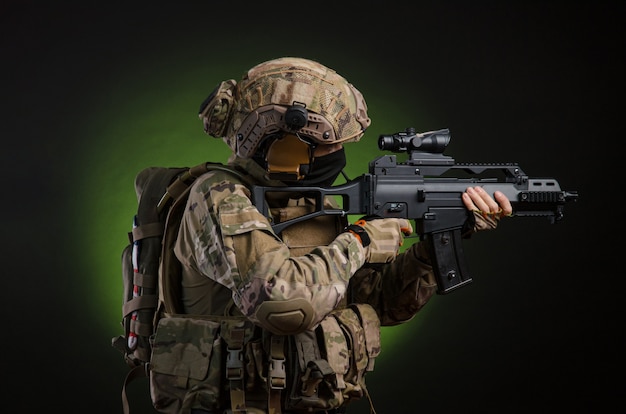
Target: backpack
x=161, y=194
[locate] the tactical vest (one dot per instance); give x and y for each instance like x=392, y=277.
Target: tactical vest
x=224, y=362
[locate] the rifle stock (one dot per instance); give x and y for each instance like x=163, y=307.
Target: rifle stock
x=427, y=188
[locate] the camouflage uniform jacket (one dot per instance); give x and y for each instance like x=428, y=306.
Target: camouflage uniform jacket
x=229, y=251
x=232, y=264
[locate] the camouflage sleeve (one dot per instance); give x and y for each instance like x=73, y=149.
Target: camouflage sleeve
x=224, y=237
x=397, y=290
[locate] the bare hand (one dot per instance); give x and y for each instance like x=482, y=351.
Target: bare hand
x=476, y=198
x=487, y=210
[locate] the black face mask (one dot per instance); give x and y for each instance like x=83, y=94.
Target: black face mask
x=324, y=170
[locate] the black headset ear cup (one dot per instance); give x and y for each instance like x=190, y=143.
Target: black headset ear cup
x=296, y=116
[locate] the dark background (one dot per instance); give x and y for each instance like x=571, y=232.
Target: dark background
x=538, y=83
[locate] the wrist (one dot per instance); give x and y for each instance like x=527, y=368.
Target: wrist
x=360, y=233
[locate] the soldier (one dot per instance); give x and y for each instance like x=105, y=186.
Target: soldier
x=290, y=322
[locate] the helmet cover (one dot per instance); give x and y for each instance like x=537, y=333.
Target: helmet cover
x=244, y=113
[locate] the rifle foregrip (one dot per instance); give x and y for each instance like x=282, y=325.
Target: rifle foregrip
x=447, y=258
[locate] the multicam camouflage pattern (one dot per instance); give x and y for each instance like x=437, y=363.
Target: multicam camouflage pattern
x=398, y=290
x=371, y=328
x=186, y=367
x=223, y=239
x=219, y=220
x=332, y=367
x=217, y=109
x=183, y=357
x=285, y=81
x=386, y=237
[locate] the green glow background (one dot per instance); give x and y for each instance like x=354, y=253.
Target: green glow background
x=96, y=91
x=156, y=123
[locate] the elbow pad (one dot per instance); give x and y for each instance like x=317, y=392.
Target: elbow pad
x=285, y=317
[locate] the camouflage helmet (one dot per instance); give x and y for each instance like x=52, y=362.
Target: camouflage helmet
x=244, y=113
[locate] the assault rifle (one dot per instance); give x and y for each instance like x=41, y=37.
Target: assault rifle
x=427, y=188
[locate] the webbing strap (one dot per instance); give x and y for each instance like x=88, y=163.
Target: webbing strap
x=140, y=328
x=181, y=183
x=235, y=370
x=277, y=377
x=147, y=230
x=137, y=372
x=144, y=280
x=138, y=303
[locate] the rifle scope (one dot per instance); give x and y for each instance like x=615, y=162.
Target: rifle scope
x=432, y=141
